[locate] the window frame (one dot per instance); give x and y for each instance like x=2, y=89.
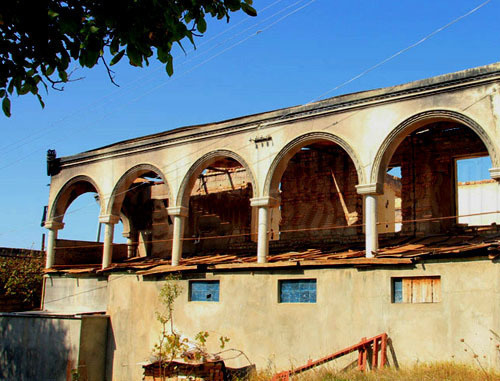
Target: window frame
x=436, y=295
x=282, y=281
x=212, y=281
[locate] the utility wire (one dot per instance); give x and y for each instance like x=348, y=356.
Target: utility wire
x=177, y=77
x=106, y=99
x=422, y=40
x=361, y=74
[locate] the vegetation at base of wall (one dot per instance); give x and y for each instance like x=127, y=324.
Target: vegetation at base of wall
x=448, y=371
x=172, y=345
x=21, y=280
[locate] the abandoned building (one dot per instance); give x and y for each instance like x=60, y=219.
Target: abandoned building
x=294, y=232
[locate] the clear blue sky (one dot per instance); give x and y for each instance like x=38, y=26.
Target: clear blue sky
x=290, y=63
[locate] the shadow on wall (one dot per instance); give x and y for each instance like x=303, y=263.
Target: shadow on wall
x=110, y=351
x=38, y=348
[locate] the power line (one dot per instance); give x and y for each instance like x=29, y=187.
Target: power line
x=108, y=98
x=354, y=78
x=422, y=40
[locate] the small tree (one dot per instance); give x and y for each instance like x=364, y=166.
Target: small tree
x=171, y=344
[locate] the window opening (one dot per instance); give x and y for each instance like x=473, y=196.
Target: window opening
x=297, y=291
x=416, y=290
x=204, y=291
x=477, y=193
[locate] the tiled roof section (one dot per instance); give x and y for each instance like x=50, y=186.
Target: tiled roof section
x=405, y=252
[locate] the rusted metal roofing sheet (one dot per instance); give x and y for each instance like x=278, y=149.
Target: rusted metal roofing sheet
x=414, y=249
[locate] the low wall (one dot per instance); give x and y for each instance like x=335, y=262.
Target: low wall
x=351, y=303
x=75, y=294
x=71, y=252
x=35, y=346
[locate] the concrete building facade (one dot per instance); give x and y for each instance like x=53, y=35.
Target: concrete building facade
x=293, y=198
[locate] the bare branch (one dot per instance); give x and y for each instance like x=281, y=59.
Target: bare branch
x=110, y=72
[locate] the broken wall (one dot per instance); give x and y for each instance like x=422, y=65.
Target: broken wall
x=427, y=159
x=310, y=200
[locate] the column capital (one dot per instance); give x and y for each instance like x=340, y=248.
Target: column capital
x=373, y=189
x=181, y=211
x=268, y=201
x=53, y=225
x=495, y=173
x=109, y=219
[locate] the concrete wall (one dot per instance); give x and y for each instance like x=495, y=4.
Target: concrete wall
x=351, y=304
x=75, y=294
x=48, y=347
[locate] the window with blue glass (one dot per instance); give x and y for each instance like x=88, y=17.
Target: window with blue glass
x=204, y=291
x=397, y=290
x=297, y=291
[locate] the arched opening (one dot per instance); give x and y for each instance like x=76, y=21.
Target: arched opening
x=218, y=189
x=140, y=199
x=436, y=192
x=315, y=180
x=78, y=206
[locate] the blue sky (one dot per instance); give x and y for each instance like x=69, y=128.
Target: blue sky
x=290, y=62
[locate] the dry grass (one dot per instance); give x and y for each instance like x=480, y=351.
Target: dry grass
x=447, y=371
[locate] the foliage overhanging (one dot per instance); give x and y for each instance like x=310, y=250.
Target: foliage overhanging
x=39, y=39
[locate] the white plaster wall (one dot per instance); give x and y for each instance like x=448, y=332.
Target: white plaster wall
x=479, y=198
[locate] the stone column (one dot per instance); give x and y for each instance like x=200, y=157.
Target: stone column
x=370, y=192
x=131, y=244
x=109, y=222
x=179, y=213
x=263, y=232
x=53, y=227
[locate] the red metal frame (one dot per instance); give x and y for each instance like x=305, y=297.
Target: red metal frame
x=374, y=344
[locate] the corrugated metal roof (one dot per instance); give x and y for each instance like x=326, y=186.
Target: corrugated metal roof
x=406, y=252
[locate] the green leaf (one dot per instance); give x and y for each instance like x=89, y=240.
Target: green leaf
x=134, y=56
x=6, y=106
x=25, y=89
x=201, y=25
x=2, y=93
x=94, y=29
x=248, y=9
x=170, y=66
x=40, y=100
x=163, y=54
x=53, y=14
x=117, y=58
x=63, y=75
x=49, y=70
x=115, y=45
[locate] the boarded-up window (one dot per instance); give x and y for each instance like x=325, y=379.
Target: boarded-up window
x=416, y=290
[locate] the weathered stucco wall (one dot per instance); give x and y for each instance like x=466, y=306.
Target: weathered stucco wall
x=75, y=294
x=48, y=347
x=351, y=304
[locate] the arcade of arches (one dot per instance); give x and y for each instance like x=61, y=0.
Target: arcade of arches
x=356, y=181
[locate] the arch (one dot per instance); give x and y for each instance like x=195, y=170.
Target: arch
x=123, y=184
x=72, y=189
x=281, y=160
x=197, y=168
x=398, y=134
